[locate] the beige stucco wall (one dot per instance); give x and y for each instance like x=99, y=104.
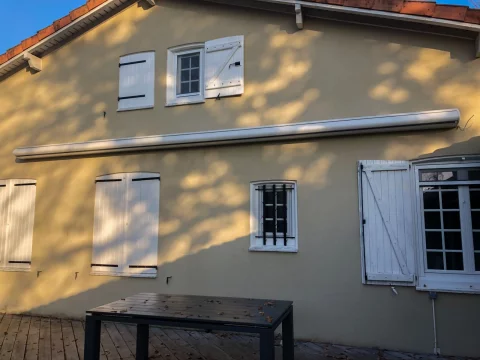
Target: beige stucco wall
x=328, y=70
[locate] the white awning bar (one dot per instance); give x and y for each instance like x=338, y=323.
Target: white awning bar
x=436, y=119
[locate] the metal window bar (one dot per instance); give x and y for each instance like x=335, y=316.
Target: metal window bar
x=131, y=63
x=264, y=213
x=285, y=214
x=130, y=97
x=274, y=215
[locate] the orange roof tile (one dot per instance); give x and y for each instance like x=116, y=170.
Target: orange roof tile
x=418, y=8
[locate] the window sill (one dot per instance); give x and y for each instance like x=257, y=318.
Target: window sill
x=288, y=249
x=103, y=273
x=452, y=283
x=11, y=269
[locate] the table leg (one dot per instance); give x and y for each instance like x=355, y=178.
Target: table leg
x=93, y=328
x=142, y=341
x=267, y=345
x=287, y=336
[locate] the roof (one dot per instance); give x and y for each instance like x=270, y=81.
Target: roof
x=418, y=9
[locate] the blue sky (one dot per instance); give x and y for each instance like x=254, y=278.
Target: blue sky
x=21, y=19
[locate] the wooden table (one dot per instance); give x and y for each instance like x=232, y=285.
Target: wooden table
x=196, y=312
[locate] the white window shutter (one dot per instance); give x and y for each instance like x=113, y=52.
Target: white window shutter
x=137, y=81
x=21, y=214
x=109, y=224
x=4, y=191
x=388, y=226
x=224, y=67
x=141, y=247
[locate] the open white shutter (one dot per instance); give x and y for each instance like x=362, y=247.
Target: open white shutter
x=109, y=224
x=4, y=190
x=224, y=64
x=137, y=81
x=141, y=245
x=21, y=213
x=388, y=229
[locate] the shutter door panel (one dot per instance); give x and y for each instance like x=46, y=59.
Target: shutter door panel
x=137, y=78
x=21, y=214
x=224, y=67
x=4, y=190
x=141, y=247
x=109, y=224
x=388, y=231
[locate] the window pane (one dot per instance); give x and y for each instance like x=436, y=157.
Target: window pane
x=434, y=240
x=476, y=220
x=453, y=240
x=474, y=199
x=195, y=86
x=196, y=60
x=195, y=74
x=435, y=260
x=185, y=75
x=268, y=197
x=454, y=260
x=427, y=175
x=281, y=212
x=432, y=220
x=431, y=200
x=280, y=226
x=280, y=197
x=268, y=224
x=474, y=174
x=450, y=199
x=269, y=212
x=476, y=240
x=477, y=262
x=184, y=62
x=184, y=88
x=451, y=220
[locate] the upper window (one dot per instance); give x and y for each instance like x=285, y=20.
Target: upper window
x=274, y=216
x=125, y=233
x=137, y=81
x=199, y=71
x=17, y=211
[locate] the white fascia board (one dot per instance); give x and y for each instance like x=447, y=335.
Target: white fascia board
x=380, y=14
x=436, y=119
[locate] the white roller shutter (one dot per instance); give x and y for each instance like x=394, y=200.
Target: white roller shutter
x=109, y=224
x=387, y=215
x=224, y=64
x=137, y=81
x=141, y=247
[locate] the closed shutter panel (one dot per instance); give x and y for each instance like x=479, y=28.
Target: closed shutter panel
x=388, y=229
x=224, y=64
x=141, y=246
x=109, y=224
x=4, y=189
x=137, y=81
x=21, y=214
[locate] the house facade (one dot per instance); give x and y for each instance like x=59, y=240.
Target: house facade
x=315, y=152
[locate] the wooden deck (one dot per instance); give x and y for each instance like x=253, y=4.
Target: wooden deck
x=36, y=338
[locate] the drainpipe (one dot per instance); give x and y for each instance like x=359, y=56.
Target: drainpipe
x=433, y=296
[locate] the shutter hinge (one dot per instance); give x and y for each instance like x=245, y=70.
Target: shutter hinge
x=364, y=221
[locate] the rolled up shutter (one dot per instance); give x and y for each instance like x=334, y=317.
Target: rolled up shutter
x=109, y=224
x=387, y=217
x=21, y=213
x=141, y=247
x=137, y=81
x=224, y=64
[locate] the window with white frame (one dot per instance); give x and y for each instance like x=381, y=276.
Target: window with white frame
x=17, y=212
x=136, y=81
x=125, y=233
x=200, y=71
x=273, y=224
x=420, y=224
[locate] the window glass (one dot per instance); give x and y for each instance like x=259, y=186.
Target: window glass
x=188, y=74
x=447, y=175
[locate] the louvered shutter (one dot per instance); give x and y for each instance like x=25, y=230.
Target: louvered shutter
x=4, y=190
x=141, y=246
x=224, y=64
x=137, y=81
x=388, y=227
x=21, y=213
x=109, y=224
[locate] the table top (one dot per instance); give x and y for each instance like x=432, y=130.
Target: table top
x=201, y=309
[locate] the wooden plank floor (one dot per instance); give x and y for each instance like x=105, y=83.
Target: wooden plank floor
x=36, y=338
